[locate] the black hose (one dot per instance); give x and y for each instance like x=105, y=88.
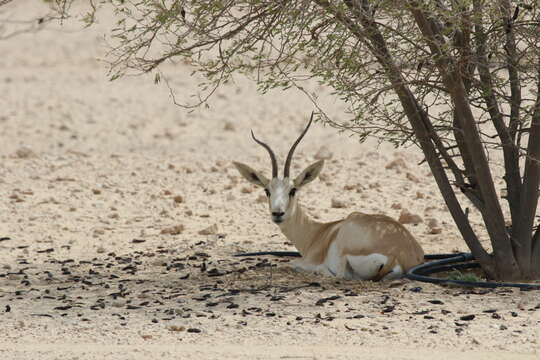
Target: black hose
x=440, y=263
x=420, y=272
x=297, y=254
x=273, y=253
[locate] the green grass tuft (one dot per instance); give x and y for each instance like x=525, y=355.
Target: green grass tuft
x=469, y=277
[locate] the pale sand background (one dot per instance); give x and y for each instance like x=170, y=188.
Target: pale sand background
x=88, y=165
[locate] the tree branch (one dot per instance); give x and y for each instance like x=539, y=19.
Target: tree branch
x=529, y=189
x=512, y=61
x=418, y=120
x=493, y=215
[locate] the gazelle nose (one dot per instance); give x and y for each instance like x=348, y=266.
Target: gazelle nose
x=277, y=214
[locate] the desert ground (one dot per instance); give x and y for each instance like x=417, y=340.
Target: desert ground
x=121, y=213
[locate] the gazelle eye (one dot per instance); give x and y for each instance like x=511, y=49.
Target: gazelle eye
x=292, y=192
x=267, y=192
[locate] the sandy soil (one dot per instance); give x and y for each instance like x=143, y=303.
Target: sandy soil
x=120, y=214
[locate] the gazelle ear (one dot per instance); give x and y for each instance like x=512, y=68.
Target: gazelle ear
x=309, y=174
x=251, y=175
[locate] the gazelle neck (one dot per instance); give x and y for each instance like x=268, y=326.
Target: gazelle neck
x=300, y=229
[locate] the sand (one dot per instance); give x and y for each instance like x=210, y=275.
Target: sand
x=122, y=212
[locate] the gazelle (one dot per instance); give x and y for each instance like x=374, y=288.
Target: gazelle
x=360, y=246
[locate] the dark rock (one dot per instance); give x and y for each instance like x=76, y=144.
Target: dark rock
x=320, y=302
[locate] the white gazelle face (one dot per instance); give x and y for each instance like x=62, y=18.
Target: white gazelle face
x=281, y=192
x=281, y=195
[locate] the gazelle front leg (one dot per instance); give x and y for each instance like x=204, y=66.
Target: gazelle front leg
x=302, y=265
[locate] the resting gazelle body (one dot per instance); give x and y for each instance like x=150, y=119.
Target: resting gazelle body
x=360, y=246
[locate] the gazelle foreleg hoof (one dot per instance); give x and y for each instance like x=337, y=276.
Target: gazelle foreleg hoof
x=303, y=266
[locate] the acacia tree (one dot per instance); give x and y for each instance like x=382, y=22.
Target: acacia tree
x=458, y=78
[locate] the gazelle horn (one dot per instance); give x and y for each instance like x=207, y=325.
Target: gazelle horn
x=291, y=152
x=272, y=156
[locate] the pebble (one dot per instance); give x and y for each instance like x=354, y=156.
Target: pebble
x=177, y=328
x=25, y=153
x=211, y=230
x=433, y=226
x=320, y=302
x=178, y=199
x=435, y=302
x=173, y=230
x=229, y=126
x=397, y=165
x=405, y=217
x=412, y=177
x=338, y=203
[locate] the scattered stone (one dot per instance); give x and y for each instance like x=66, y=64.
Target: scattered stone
x=433, y=226
x=25, y=153
x=320, y=302
x=323, y=154
x=118, y=303
x=229, y=126
x=408, y=218
x=137, y=241
x=96, y=191
x=193, y=330
x=176, y=328
x=397, y=165
x=211, y=230
x=173, y=230
x=412, y=177
x=396, y=206
x=467, y=317
x=435, y=302
x=98, y=232
x=338, y=203
x=178, y=199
